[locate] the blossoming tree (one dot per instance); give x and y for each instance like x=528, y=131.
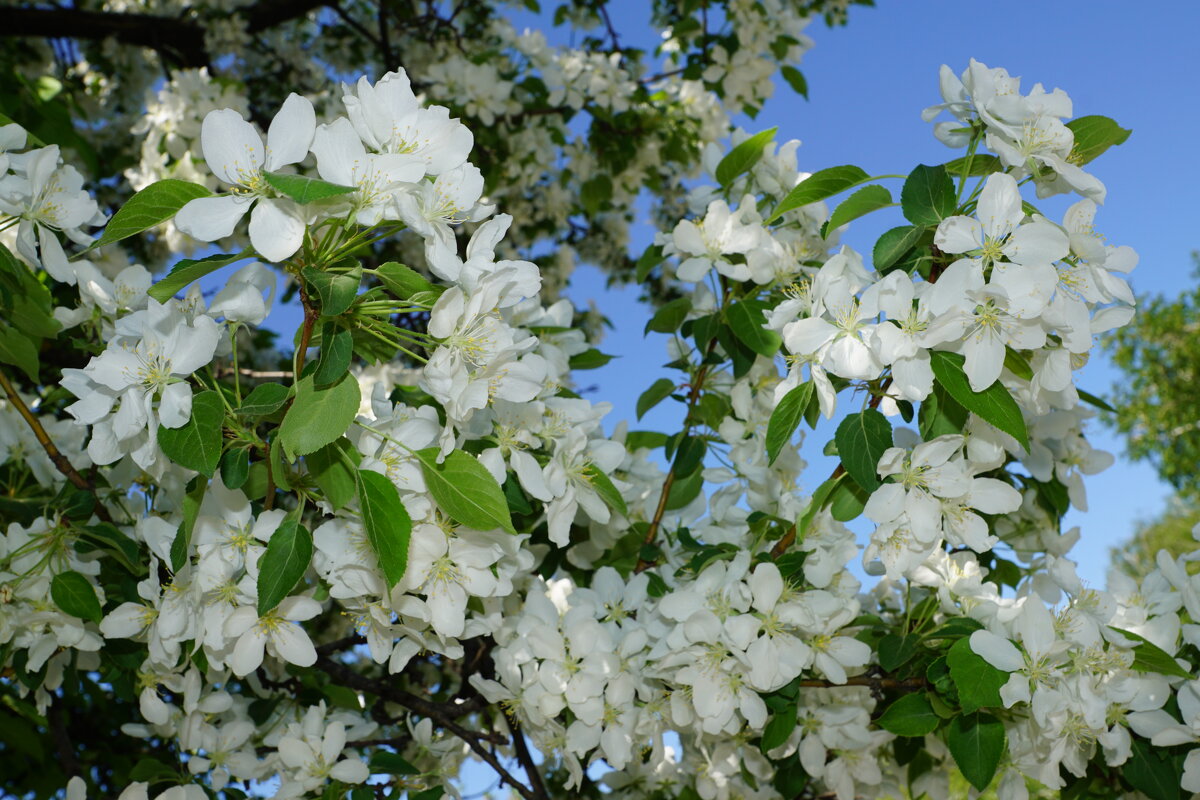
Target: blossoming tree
x=412, y=545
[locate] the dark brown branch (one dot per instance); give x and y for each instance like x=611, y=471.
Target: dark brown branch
x=525, y=758
x=442, y=715
x=60, y=461
x=57, y=719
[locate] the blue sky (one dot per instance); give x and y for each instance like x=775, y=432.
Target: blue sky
x=868, y=82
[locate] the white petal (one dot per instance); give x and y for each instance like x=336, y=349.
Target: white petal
x=276, y=229
x=997, y=651
x=291, y=132
x=175, y=407
x=232, y=148
x=211, y=218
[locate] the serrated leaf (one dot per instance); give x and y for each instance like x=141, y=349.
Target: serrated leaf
x=403, y=281
x=1093, y=135
x=75, y=595
x=895, y=650
x=387, y=523
x=150, y=207
x=911, y=715
x=1149, y=657
x=786, y=418
x=188, y=270
x=235, y=467
x=895, y=243
x=658, y=391
x=978, y=682
x=861, y=203
x=981, y=164
x=779, y=728
x=465, y=490
x=977, y=743
x=318, y=415
x=335, y=290
x=329, y=469
x=266, y=398
x=861, y=440
x=928, y=195
x=743, y=157
x=994, y=404
x=818, y=186
x=847, y=501
x=337, y=350
x=669, y=316
x=1153, y=772
x=304, y=190
x=605, y=488
x=746, y=320
x=197, y=444
x=289, y=551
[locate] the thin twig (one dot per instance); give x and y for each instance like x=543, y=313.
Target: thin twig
x=526, y=759
x=61, y=462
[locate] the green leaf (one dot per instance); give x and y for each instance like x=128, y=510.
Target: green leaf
x=432, y=793
x=651, y=257
x=928, y=195
x=1093, y=135
x=894, y=244
x=235, y=467
x=386, y=522
x=861, y=441
x=847, y=501
x=187, y=270
x=75, y=595
x=289, y=551
x=605, y=488
x=385, y=762
x=779, y=728
x=940, y=414
x=658, y=391
x=818, y=186
x=746, y=319
x=589, y=359
x=786, y=418
x=1149, y=657
x=336, y=290
x=18, y=350
x=318, y=416
x=595, y=193
x=329, y=469
x=1098, y=402
x=669, y=316
x=337, y=349
x=181, y=545
x=266, y=398
x=403, y=281
x=861, y=203
x=981, y=164
x=742, y=158
x=977, y=743
x=150, y=207
x=1017, y=364
x=465, y=490
x=304, y=190
x=895, y=650
x=1153, y=772
x=911, y=715
x=978, y=682
x=994, y=404
x=197, y=444
x=795, y=79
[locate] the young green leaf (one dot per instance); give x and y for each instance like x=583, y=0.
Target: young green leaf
x=1149, y=657
x=818, y=186
x=1093, y=135
x=651, y=257
x=589, y=359
x=795, y=79
x=994, y=404
x=465, y=490
x=605, y=488
x=861, y=441
x=981, y=164
x=304, y=190
x=779, y=728
x=895, y=650
x=181, y=545
x=386, y=762
x=658, y=391
x=337, y=349
x=281, y=567
x=336, y=290
x=187, y=270
x=387, y=523
x=746, y=319
x=743, y=157
x=1154, y=772
x=74, y=594
x=235, y=467
x=197, y=444
x=786, y=418
x=895, y=243
x=978, y=682
x=977, y=743
x=18, y=350
x=669, y=316
x=861, y=203
x=928, y=196
x=318, y=416
x=329, y=470
x=150, y=207
x=266, y=398
x=911, y=715
x=403, y=281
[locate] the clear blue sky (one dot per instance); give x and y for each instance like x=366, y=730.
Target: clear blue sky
x=868, y=82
